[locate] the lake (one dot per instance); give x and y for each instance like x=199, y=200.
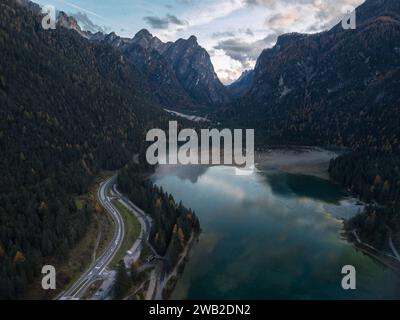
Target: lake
x=269, y=236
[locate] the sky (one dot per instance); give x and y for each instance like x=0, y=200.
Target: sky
x=234, y=32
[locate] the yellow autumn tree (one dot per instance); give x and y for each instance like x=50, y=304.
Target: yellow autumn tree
x=97, y=207
x=2, y=252
x=158, y=203
x=175, y=230
x=181, y=237
x=19, y=257
x=157, y=238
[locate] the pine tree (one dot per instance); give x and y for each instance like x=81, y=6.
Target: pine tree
x=122, y=282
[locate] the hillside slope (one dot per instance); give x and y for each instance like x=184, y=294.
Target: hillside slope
x=337, y=88
x=68, y=108
x=180, y=73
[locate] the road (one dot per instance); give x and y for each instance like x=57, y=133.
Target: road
x=97, y=269
x=395, y=252
x=380, y=255
x=143, y=218
x=152, y=285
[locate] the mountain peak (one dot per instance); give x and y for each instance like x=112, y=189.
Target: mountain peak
x=192, y=39
x=147, y=41
x=144, y=33
x=70, y=22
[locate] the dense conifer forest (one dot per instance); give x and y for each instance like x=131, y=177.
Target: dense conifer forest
x=337, y=88
x=68, y=109
x=173, y=224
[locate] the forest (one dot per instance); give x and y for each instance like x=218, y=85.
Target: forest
x=173, y=224
x=68, y=109
x=337, y=89
x=375, y=178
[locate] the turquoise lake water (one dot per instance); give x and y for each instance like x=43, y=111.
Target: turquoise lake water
x=267, y=236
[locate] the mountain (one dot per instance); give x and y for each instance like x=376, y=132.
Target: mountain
x=147, y=41
x=145, y=52
x=194, y=70
x=63, y=20
x=69, y=108
x=68, y=22
x=238, y=88
x=336, y=88
x=181, y=73
x=313, y=88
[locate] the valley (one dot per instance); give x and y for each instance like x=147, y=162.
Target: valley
x=325, y=192
x=270, y=235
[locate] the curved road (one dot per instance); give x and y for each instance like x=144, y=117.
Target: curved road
x=97, y=268
x=395, y=252
x=143, y=218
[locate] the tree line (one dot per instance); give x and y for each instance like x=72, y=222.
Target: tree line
x=68, y=109
x=173, y=224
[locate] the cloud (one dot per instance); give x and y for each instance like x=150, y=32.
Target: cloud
x=164, y=23
x=80, y=8
x=284, y=16
x=247, y=31
x=232, y=34
x=282, y=20
x=225, y=34
x=184, y=1
x=156, y=22
x=265, y=3
x=207, y=12
x=238, y=50
x=246, y=52
x=173, y=19
x=228, y=76
x=326, y=13
x=235, y=32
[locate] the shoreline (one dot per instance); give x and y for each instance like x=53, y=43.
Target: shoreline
x=378, y=255
x=306, y=160
x=171, y=280
x=311, y=164
x=310, y=161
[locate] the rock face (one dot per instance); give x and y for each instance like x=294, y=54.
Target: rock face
x=337, y=87
x=194, y=70
x=160, y=74
x=180, y=72
x=146, y=40
x=69, y=22
x=63, y=20
x=238, y=88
